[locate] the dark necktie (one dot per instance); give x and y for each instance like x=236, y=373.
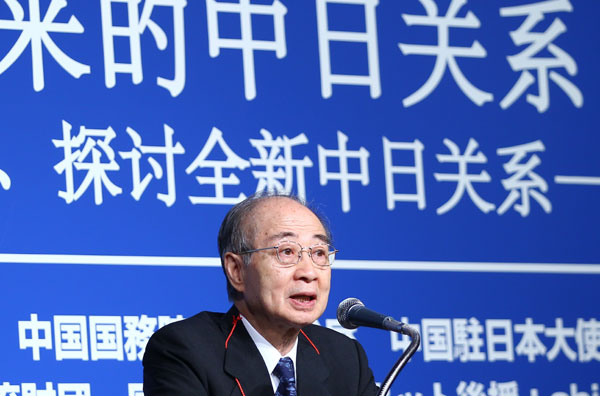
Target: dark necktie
x=285, y=372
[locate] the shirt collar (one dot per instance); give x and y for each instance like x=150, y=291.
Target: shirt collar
x=269, y=353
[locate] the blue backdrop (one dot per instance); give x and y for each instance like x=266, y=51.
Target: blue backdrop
x=451, y=144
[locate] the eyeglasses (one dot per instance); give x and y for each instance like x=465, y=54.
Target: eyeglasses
x=289, y=253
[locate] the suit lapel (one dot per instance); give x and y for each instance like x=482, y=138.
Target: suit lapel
x=243, y=360
x=312, y=372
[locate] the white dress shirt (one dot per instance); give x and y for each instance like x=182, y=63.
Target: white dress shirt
x=269, y=353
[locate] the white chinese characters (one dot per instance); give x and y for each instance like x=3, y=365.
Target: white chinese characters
x=527, y=59
x=141, y=19
x=445, y=54
x=245, y=9
x=222, y=170
x=218, y=180
x=368, y=37
x=137, y=24
x=36, y=33
x=503, y=340
x=79, y=337
x=91, y=153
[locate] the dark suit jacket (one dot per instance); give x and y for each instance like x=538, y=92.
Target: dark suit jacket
x=212, y=354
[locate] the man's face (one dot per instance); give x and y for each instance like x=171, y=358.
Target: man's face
x=281, y=298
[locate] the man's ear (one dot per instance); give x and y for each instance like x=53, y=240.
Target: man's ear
x=234, y=268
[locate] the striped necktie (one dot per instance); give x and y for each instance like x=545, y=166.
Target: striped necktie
x=285, y=372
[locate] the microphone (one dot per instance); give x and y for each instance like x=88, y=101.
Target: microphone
x=352, y=313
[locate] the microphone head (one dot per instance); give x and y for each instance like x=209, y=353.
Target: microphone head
x=344, y=309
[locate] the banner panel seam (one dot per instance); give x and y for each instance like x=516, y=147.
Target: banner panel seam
x=376, y=265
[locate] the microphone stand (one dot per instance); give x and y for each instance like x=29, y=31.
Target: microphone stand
x=415, y=341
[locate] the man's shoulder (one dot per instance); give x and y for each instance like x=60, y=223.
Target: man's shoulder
x=198, y=329
x=325, y=336
x=344, y=358
x=201, y=319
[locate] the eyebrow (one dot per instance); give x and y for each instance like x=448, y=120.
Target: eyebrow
x=286, y=234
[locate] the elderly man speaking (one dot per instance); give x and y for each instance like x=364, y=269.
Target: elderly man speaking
x=276, y=255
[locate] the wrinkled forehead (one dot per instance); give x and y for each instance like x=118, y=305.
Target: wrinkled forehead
x=280, y=218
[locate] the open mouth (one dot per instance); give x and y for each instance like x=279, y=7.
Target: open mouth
x=303, y=298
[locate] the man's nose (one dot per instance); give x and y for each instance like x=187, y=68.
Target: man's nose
x=305, y=267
